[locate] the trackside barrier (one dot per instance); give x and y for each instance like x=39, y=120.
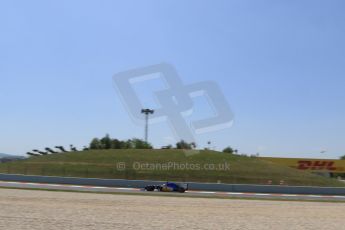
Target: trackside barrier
x=192, y=186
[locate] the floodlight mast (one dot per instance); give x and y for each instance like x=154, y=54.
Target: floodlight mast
x=147, y=113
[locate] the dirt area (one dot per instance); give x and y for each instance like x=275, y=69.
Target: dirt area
x=31, y=210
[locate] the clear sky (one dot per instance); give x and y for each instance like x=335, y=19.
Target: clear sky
x=280, y=64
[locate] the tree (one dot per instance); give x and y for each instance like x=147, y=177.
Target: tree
x=140, y=144
x=95, y=144
x=117, y=144
x=229, y=150
x=74, y=149
x=106, y=142
x=128, y=144
x=85, y=148
x=185, y=145
x=342, y=158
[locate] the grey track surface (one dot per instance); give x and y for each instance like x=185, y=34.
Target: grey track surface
x=78, y=188
x=232, y=188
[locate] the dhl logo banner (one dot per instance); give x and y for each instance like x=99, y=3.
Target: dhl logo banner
x=316, y=165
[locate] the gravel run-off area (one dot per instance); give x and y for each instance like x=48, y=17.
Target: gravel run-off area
x=30, y=210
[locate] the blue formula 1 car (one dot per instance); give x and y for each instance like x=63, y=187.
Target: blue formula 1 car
x=168, y=187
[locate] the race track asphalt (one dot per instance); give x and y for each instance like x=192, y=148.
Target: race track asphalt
x=83, y=188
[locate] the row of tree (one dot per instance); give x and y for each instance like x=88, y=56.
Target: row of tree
x=108, y=143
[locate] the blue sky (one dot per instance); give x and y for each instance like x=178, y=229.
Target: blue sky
x=280, y=64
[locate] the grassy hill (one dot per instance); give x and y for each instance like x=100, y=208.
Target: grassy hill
x=166, y=165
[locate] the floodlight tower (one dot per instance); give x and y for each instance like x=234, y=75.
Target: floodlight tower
x=147, y=113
